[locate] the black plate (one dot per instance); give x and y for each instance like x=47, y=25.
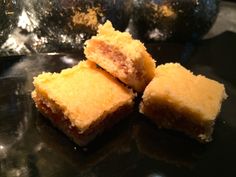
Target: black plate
x=31, y=146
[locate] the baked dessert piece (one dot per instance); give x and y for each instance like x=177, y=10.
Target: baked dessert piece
x=177, y=99
x=82, y=101
x=122, y=56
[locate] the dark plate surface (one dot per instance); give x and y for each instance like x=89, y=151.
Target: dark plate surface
x=31, y=146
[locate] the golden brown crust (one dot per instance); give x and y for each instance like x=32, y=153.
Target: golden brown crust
x=85, y=93
x=60, y=121
x=122, y=56
x=165, y=116
x=177, y=99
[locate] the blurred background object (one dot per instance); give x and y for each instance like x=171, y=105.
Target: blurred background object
x=62, y=26
x=226, y=20
x=174, y=20
x=31, y=26
x=8, y=15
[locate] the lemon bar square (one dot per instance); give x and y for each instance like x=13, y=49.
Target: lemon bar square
x=177, y=99
x=122, y=56
x=82, y=101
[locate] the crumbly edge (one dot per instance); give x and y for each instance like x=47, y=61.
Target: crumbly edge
x=131, y=72
x=166, y=116
x=132, y=64
x=63, y=123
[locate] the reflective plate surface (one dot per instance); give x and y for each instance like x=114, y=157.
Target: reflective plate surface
x=31, y=146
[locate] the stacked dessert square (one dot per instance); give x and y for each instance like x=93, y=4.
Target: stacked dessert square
x=121, y=56
x=91, y=97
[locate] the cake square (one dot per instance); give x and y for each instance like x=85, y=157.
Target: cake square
x=82, y=101
x=122, y=56
x=177, y=99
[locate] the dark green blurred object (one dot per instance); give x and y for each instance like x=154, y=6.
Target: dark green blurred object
x=174, y=20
